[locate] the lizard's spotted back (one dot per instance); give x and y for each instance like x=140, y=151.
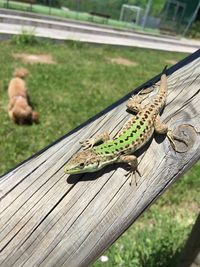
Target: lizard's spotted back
x=137, y=130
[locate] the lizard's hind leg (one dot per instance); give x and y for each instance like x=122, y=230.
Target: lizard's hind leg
x=162, y=128
x=134, y=103
x=90, y=142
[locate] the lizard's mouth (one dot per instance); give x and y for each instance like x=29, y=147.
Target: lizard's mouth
x=73, y=170
x=77, y=170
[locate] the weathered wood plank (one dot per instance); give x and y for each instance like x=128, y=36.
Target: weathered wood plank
x=50, y=219
x=191, y=253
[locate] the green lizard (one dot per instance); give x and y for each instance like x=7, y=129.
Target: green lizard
x=134, y=134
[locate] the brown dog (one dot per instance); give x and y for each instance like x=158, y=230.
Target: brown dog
x=19, y=108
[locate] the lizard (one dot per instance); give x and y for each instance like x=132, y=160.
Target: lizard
x=101, y=151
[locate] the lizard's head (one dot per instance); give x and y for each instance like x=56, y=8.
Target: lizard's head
x=84, y=161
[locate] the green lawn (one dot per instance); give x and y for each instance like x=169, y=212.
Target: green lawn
x=82, y=82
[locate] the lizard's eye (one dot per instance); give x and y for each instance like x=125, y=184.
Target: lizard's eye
x=81, y=165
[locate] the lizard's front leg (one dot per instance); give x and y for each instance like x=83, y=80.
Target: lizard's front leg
x=133, y=163
x=90, y=142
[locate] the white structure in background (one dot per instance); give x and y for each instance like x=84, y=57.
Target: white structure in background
x=131, y=14
x=140, y=16
x=65, y=8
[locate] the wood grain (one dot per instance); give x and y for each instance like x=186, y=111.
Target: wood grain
x=48, y=218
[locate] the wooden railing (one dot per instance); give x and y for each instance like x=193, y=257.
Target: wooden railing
x=48, y=218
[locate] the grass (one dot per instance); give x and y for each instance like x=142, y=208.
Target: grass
x=81, y=83
x=82, y=16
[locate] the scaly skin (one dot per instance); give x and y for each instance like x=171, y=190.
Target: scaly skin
x=134, y=134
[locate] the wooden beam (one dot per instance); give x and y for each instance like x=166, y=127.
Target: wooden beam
x=191, y=253
x=51, y=219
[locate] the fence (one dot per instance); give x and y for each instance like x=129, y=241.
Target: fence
x=169, y=16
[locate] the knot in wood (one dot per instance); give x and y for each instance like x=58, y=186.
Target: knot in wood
x=187, y=135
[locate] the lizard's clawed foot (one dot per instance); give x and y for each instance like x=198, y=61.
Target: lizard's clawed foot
x=133, y=166
x=172, y=137
x=88, y=143
x=135, y=99
x=132, y=98
x=132, y=173
x=134, y=103
x=147, y=90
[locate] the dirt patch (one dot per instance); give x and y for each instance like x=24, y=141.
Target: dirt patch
x=33, y=59
x=171, y=61
x=122, y=61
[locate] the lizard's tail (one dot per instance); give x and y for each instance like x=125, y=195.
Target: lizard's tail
x=162, y=94
x=161, y=97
